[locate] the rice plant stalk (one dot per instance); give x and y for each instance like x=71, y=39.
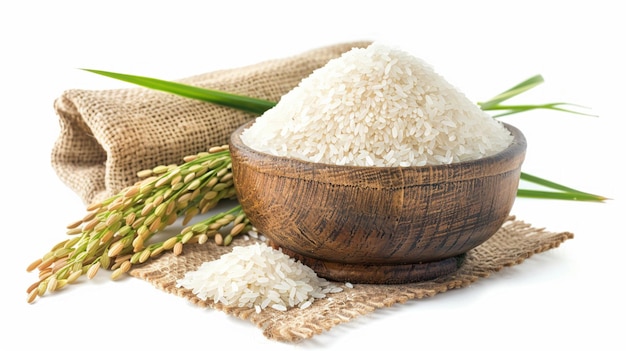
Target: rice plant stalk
x=119, y=232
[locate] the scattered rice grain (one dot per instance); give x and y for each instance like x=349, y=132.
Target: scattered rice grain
x=257, y=276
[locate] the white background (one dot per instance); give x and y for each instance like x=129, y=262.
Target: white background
x=569, y=297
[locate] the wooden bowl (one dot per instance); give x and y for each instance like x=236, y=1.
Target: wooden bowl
x=379, y=225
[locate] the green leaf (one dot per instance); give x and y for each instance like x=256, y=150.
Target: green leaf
x=563, y=190
x=494, y=104
x=554, y=195
x=244, y=103
x=514, y=91
x=556, y=106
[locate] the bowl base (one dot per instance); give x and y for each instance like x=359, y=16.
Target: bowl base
x=377, y=273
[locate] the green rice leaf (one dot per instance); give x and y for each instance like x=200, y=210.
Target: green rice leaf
x=555, y=195
x=556, y=106
x=562, y=193
x=244, y=103
x=547, y=183
x=514, y=91
x=494, y=104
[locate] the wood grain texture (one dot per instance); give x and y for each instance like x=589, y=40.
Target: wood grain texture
x=376, y=215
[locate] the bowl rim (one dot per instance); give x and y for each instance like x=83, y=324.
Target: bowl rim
x=508, y=160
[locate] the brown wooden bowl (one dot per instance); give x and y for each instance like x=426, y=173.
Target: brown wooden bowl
x=376, y=224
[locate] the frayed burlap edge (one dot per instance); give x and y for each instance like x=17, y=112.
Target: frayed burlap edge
x=511, y=245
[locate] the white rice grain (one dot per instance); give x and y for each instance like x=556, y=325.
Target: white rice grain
x=377, y=106
x=259, y=277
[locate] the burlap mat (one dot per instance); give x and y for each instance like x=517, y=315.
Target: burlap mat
x=107, y=136
x=512, y=244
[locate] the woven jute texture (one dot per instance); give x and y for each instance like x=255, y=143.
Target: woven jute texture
x=107, y=136
x=511, y=245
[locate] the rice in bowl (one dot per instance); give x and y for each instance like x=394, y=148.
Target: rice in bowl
x=377, y=106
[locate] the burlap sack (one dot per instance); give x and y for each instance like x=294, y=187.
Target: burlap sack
x=512, y=244
x=107, y=136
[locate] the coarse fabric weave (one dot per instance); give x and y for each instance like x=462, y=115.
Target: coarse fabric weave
x=511, y=245
x=107, y=136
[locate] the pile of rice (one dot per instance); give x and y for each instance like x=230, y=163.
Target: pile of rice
x=257, y=276
x=377, y=106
